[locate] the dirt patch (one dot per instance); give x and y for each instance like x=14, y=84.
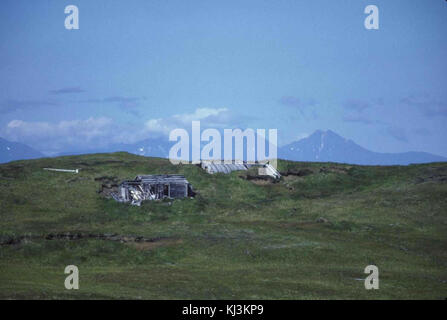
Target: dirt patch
x=108, y=186
x=339, y=170
x=106, y=190
x=292, y=179
x=259, y=180
x=77, y=179
x=12, y=171
x=440, y=178
x=107, y=179
x=296, y=172
x=433, y=174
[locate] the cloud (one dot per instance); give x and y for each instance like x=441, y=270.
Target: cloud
x=299, y=104
x=99, y=133
x=50, y=137
x=127, y=103
x=67, y=90
x=160, y=126
x=359, y=118
x=17, y=105
x=86, y=129
x=429, y=106
x=209, y=117
x=357, y=105
x=12, y=105
x=397, y=133
x=358, y=111
x=114, y=99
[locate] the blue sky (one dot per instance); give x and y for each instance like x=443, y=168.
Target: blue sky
x=136, y=69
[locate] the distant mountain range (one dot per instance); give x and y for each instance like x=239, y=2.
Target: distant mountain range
x=327, y=146
x=10, y=151
x=321, y=146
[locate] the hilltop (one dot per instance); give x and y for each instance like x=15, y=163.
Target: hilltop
x=309, y=236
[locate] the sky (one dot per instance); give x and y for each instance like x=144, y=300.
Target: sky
x=138, y=69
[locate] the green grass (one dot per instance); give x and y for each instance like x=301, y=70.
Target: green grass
x=237, y=239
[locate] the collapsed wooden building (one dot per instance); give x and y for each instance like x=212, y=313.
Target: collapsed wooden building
x=153, y=187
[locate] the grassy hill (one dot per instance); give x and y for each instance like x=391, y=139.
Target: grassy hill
x=310, y=236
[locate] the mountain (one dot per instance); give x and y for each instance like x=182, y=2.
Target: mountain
x=327, y=146
x=10, y=151
x=321, y=146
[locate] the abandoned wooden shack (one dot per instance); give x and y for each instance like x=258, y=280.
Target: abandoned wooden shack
x=153, y=187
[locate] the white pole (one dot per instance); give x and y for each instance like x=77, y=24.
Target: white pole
x=62, y=170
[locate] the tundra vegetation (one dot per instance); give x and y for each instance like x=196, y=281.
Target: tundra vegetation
x=308, y=236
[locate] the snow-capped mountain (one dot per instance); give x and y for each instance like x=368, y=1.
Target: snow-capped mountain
x=10, y=151
x=327, y=146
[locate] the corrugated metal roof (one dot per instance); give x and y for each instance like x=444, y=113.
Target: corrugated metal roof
x=212, y=167
x=219, y=166
x=161, y=178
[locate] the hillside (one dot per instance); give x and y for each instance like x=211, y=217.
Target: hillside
x=310, y=236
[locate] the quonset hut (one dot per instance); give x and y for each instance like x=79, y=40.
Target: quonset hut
x=221, y=166
x=265, y=168
x=153, y=187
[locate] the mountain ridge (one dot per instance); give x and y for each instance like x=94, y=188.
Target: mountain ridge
x=10, y=151
x=320, y=146
x=328, y=146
